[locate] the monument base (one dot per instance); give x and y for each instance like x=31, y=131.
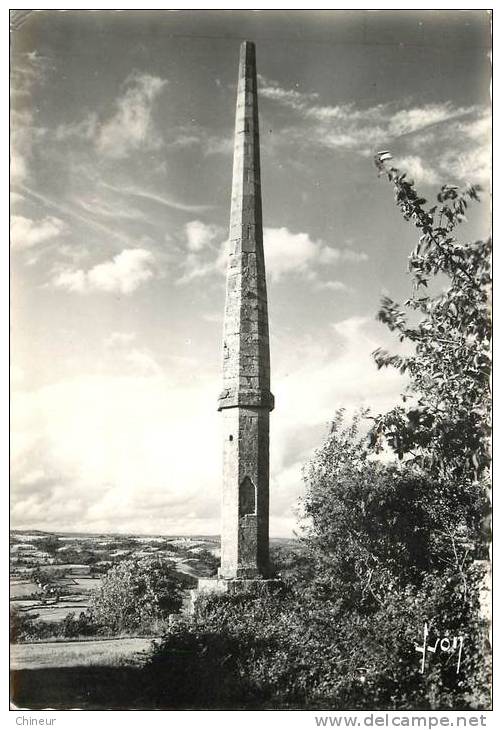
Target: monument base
x=235, y=586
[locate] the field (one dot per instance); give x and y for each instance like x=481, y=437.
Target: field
x=105, y=652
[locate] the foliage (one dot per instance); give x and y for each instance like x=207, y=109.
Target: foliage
x=289, y=563
x=85, y=624
x=210, y=561
x=21, y=624
x=134, y=594
x=48, y=584
x=77, y=555
x=369, y=526
x=26, y=626
x=446, y=429
x=49, y=544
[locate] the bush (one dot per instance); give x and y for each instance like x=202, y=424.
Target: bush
x=26, y=626
x=85, y=624
x=135, y=595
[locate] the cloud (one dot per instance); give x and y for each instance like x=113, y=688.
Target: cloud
x=154, y=197
x=140, y=360
x=334, y=285
x=143, y=361
x=208, y=260
x=459, y=151
x=131, y=126
x=72, y=212
x=119, y=339
x=199, y=234
x=86, y=129
x=452, y=140
x=417, y=169
x=123, y=274
x=218, y=145
x=287, y=253
x=26, y=233
x=29, y=70
x=351, y=121
x=288, y=97
x=311, y=380
x=470, y=160
x=412, y=120
x=24, y=135
x=195, y=135
x=196, y=268
x=114, y=448
x=96, y=206
x=91, y=450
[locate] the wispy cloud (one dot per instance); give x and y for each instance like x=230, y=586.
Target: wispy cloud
x=288, y=97
x=123, y=274
x=446, y=130
x=155, y=198
x=333, y=285
x=131, y=127
x=85, y=129
x=28, y=70
x=72, y=212
x=194, y=135
x=218, y=145
x=96, y=206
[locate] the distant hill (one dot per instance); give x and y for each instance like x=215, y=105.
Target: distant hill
x=131, y=535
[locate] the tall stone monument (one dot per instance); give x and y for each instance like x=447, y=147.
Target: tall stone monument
x=246, y=401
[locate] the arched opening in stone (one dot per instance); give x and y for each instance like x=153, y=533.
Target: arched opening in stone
x=247, y=497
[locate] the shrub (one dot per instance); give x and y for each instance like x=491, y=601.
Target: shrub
x=136, y=594
x=85, y=624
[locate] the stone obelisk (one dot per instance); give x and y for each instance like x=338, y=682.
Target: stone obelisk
x=246, y=400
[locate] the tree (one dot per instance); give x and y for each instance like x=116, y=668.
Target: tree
x=49, y=544
x=446, y=429
x=134, y=594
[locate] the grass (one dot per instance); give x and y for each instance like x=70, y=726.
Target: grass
x=58, y=654
x=19, y=589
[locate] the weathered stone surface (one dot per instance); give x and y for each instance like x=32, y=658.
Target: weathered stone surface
x=242, y=585
x=246, y=400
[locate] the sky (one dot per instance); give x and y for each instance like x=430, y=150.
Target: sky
x=121, y=164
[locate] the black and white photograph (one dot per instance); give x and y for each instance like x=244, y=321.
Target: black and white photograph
x=250, y=362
